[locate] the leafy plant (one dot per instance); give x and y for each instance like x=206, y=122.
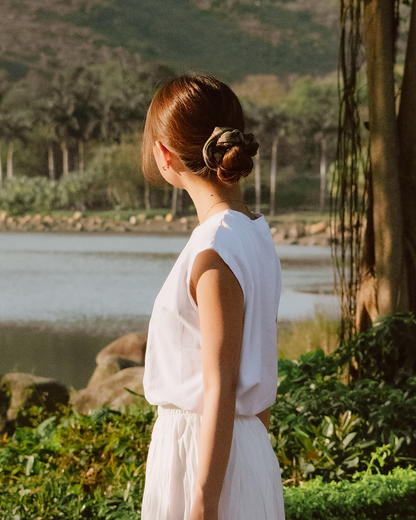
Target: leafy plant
x=320, y=426
x=386, y=352
x=76, y=466
x=378, y=497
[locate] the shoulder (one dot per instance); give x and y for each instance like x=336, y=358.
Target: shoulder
x=210, y=266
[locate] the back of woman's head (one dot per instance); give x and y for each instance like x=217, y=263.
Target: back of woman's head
x=183, y=116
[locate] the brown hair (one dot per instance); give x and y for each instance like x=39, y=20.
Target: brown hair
x=183, y=115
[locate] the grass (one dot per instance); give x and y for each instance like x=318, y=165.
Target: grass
x=300, y=217
x=299, y=337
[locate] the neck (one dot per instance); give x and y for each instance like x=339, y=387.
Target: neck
x=211, y=198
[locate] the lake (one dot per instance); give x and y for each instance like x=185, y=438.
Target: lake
x=64, y=297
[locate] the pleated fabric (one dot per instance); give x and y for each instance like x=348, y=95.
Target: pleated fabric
x=252, y=488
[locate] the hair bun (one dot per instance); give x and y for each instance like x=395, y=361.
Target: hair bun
x=228, y=152
x=236, y=163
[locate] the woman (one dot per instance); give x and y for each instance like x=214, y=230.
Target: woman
x=211, y=361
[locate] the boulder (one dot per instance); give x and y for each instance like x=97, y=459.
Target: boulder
x=293, y=232
x=111, y=391
x=125, y=352
x=131, y=346
x=314, y=229
x=19, y=392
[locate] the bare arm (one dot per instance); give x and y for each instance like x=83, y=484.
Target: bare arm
x=221, y=307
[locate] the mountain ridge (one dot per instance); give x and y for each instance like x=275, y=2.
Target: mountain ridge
x=230, y=38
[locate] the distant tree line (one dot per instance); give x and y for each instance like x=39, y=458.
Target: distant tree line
x=84, y=117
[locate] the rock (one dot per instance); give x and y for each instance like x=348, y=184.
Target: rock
x=159, y=218
x=293, y=232
x=125, y=352
x=131, y=346
x=141, y=217
x=133, y=220
x=77, y=215
x=119, y=366
x=3, y=216
x=279, y=236
x=314, y=229
x=111, y=391
x=89, y=224
x=105, y=369
x=114, y=227
x=25, y=219
x=169, y=217
x=19, y=392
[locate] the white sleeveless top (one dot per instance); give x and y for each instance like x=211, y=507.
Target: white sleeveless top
x=173, y=367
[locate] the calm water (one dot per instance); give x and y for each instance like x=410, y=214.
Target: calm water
x=63, y=298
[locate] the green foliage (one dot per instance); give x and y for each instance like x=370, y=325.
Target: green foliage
x=114, y=182
x=76, y=466
x=376, y=497
x=81, y=467
x=117, y=172
x=322, y=427
x=387, y=351
x=349, y=446
x=22, y=194
x=186, y=37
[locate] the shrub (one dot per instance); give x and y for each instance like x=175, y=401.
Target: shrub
x=376, y=497
x=320, y=426
x=84, y=467
x=76, y=466
x=22, y=195
x=386, y=352
x=116, y=171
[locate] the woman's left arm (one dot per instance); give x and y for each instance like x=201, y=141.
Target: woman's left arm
x=221, y=308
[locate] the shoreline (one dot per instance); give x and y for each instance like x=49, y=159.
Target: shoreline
x=113, y=331
x=291, y=233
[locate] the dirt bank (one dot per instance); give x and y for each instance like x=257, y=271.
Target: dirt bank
x=288, y=233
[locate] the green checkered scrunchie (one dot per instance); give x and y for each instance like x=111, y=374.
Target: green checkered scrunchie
x=224, y=138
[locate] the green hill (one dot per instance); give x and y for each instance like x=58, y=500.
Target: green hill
x=229, y=38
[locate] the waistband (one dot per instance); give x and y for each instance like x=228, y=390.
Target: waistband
x=171, y=409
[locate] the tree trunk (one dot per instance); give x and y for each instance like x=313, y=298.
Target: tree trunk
x=179, y=208
x=388, y=236
x=64, y=158
x=407, y=132
x=166, y=196
x=322, y=175
x=273, y=170
x=81, y=157
x=175, y=202
x=1, y=168
x=146, y=195
x=51, y=163
x=10, y=160
x=257, y=180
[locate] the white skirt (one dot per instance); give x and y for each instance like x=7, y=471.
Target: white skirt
x=252, y=488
